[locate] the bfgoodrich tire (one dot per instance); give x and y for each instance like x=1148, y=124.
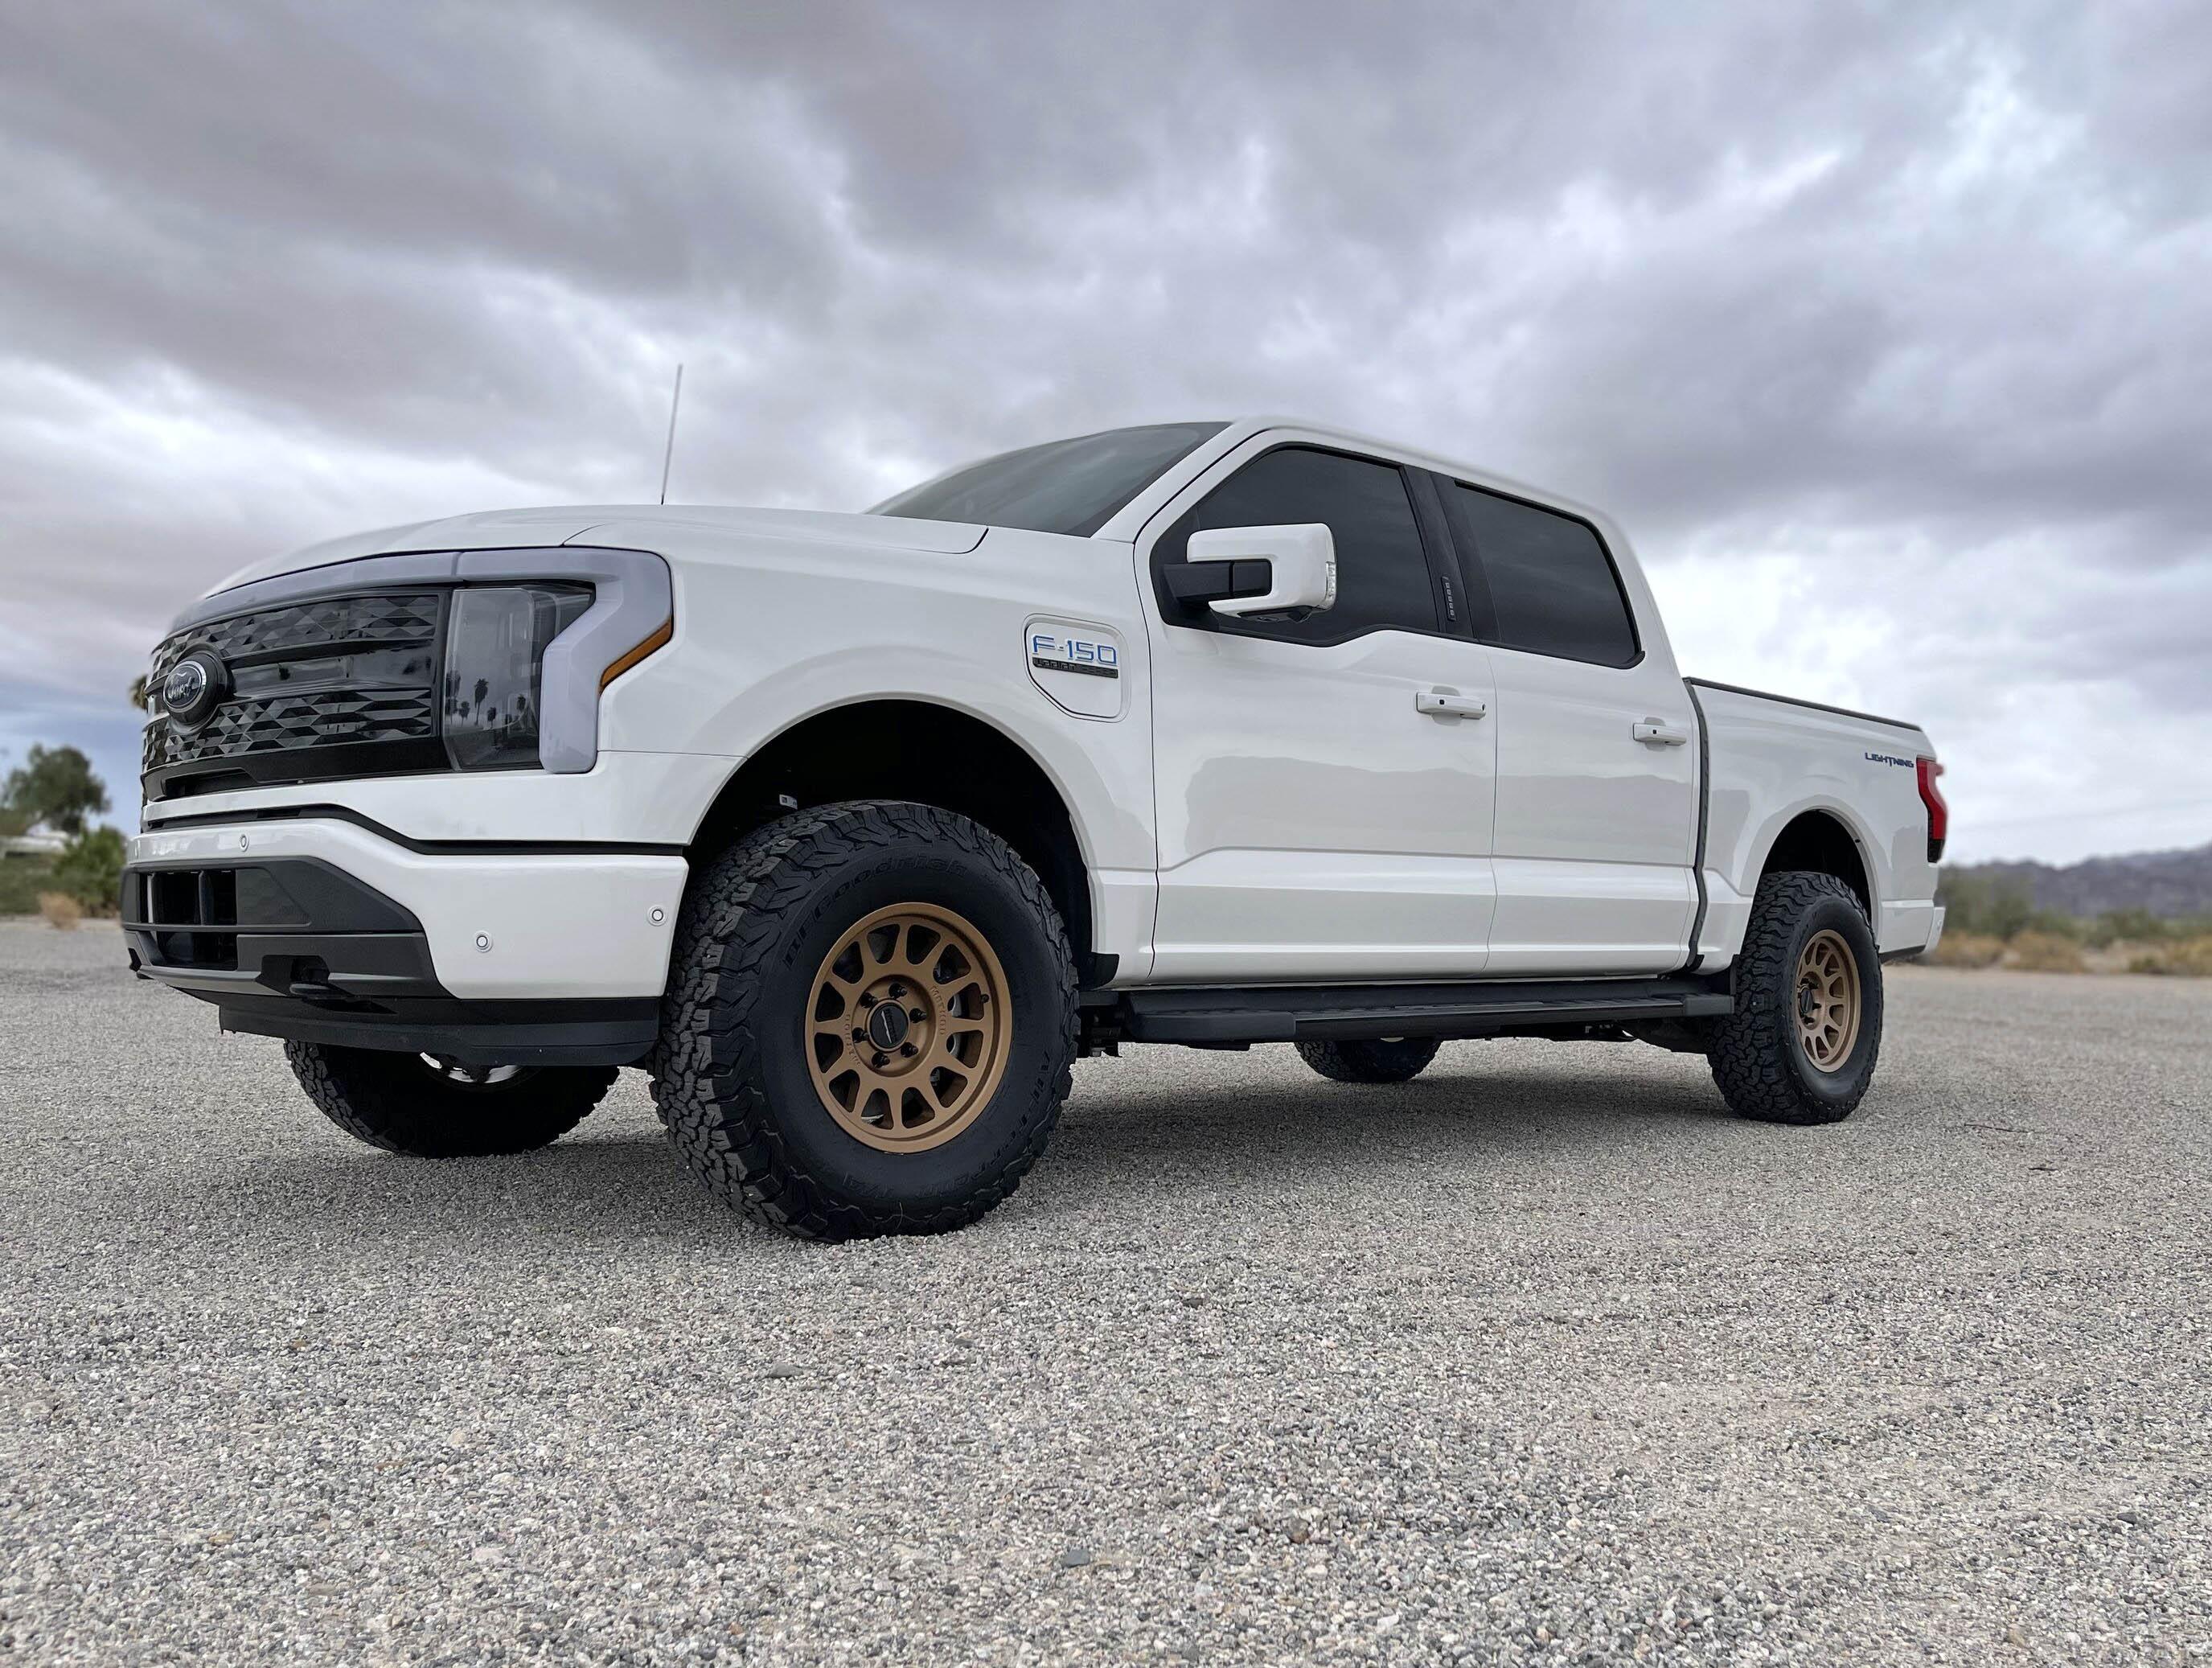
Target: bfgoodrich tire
x=404, y=1103
x=1398, y=1060
x=870, y=1018
x=1802, y=1045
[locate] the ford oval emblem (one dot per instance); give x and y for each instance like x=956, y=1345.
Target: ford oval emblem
x=188, y=682
x=194, y=687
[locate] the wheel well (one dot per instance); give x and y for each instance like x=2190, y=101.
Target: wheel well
x=1818, y=842
x=911, y=749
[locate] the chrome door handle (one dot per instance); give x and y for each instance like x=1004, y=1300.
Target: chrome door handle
x=1658, y=735
x=1437, y=704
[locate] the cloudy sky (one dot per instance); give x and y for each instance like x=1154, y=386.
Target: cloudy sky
x=1886, y=330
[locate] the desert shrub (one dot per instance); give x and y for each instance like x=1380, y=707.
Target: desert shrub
x=1966, y=950
x=1980, y=906
x=90, y=870
x=60, y=910
x=22, y=880
x=2044, y=952
x=2134, y=925
x=2188, y=957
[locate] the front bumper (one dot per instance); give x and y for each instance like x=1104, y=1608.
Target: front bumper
x=325, y=931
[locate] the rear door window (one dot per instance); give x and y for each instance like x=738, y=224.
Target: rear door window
x=1550, y=583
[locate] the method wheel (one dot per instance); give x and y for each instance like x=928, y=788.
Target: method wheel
x=441, y=1109
x=1800, y=1046
x=1398, y=1060
x=870, y=1018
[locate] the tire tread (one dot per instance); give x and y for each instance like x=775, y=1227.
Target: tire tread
x=1750, y=1053
x=370, y=1095
x=710, y=1101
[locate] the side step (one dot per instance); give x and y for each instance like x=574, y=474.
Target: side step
x=1311, y=1012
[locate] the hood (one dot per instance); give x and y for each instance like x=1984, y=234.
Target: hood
x=629, y=527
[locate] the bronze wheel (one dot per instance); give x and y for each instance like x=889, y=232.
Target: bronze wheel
x=1827, y=999
x=1800, y=1042
x=908, y=1027
x=766, y=1092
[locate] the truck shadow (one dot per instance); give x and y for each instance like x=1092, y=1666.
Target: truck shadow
x=616, y=1181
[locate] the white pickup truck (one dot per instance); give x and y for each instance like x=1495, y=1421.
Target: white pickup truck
x=854, y=831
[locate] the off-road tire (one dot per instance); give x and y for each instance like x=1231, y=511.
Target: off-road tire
x=1757, y=1056
x=401, y=1103
x=731, y=1076
x=1398, y=1061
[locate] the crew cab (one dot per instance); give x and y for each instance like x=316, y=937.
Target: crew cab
x=854, y=831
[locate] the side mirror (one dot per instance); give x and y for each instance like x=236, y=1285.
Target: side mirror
x=1258, y=570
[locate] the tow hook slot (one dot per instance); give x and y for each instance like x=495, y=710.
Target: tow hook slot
x=311, y=982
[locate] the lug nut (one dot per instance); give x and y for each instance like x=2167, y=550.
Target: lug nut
x=908, y=1050
x=882, y=1060
x=868, y=999
x=858, y=1035
x=898, y=989
x=915, y=1014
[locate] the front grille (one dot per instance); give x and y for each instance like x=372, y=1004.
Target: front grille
x=354, y=673
x=327, y=718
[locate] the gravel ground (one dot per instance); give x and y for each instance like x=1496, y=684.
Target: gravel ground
x=1539, y=1359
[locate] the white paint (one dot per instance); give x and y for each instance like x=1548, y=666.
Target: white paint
x=499, y=925
x=1248, y=809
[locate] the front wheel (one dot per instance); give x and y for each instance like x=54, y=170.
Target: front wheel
x=1800, y=1046
x=869, y=1023
x=434, y=1109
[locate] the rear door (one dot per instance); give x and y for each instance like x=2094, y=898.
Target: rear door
x=1314, y=823
x=1597, y=787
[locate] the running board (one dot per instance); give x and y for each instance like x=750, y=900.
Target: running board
x=1294, y=1013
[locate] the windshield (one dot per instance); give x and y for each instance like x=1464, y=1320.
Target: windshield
x=1063, y=486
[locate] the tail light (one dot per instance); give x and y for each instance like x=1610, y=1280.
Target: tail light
x=1939, y=813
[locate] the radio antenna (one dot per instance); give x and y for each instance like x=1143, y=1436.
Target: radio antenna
x=668, y=456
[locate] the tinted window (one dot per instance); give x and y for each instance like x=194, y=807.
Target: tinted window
x=1381, y=576
x=1550, y=581
x=1063, y=486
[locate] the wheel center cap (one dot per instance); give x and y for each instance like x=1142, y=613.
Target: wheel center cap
x=887, y=1026
x=1809, y=1003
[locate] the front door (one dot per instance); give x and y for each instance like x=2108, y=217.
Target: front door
x=1318, y=819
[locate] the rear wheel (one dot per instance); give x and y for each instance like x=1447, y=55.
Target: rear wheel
x=1800, y=1046
x=441, y=1109
x=1393, y=1059
x=870, y=1018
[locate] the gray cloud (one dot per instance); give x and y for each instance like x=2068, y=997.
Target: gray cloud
x=1885, y=330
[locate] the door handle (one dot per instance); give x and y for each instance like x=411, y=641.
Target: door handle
x=1658, y=735
x=1438, y=704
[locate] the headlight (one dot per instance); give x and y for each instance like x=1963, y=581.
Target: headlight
x=495, y=641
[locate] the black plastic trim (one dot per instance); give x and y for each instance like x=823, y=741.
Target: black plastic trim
x=1459, y=544
x=1194, y=584
x=281, y=767
x=1705, y=810
x=324, y=897
x=613, y=1032
x=1290, y=1014
x=1792, y=701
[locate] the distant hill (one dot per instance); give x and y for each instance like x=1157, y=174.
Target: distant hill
x=2166, y=883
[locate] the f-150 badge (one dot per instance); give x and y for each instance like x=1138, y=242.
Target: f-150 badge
x=1077, y=663
x=1051, y=651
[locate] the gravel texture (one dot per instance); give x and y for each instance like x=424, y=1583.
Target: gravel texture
x=1542, y=1358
